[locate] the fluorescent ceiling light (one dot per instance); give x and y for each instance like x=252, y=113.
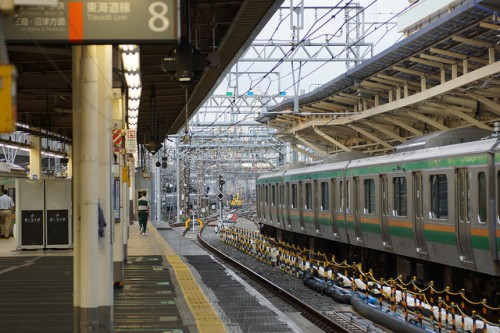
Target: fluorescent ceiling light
x=134, y=93
x=133, y=104
x=134, y=113
x=133, y=80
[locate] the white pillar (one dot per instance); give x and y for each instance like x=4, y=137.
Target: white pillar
x=76, y=148
x=158, y=193
x=132, y=199
x=105, y=157
x=35, y=157
x=69, y=171
x=118, y=232
x=86, y=307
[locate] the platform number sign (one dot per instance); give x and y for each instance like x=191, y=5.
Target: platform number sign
x=158, y=21
x=96, y=21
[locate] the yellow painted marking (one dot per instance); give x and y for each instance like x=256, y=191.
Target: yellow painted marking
x=207, y=319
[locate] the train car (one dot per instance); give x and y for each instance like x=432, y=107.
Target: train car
x=436, y=199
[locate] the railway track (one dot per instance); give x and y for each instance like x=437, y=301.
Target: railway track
x=331, y=321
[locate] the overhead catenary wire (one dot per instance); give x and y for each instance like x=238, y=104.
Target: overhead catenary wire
x=233, y=103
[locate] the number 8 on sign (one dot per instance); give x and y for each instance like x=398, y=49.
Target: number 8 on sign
x=158, y=10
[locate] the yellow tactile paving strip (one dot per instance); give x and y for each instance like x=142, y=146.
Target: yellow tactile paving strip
x=207, y=319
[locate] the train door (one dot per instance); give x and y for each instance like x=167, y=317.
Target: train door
x=277, y=203
x=274, y=205
x=384, y=212
x=356, y=208
x=463, y=220
x=259, y=200
x=418, y=221
x=301, y=205
x=287, y=221
x=263, y=202
x=342, y=208
x=280, y=204
x=315, y=193
x=333, y=208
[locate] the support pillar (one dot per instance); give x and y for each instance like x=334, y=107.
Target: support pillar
x=76, y=187
x=119, y=232
x=69, y=170
x=35, y=157
x=85, y=196
x=105, y=161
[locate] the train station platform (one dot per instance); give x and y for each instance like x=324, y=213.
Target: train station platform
x=171, y=285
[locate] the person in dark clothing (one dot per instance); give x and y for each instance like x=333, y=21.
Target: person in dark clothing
x=143, y=206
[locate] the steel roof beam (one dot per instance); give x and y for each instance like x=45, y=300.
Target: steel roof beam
x=330, y=139
x=371, y=136
x=305, y=152
x=311, y=145
x=493, y=106
x=427, y=120
x=389, y=133
x=403, y=125
x=458, y=55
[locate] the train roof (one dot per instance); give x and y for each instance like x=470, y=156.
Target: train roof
x=444, y=138
x=467, y=148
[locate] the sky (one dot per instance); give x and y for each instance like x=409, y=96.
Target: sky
x=316, y=29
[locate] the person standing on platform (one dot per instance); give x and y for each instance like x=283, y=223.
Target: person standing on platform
x=7, y=207
x=143, y=211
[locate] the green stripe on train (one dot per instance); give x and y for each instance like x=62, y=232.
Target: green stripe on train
x=370, y=227
x=480, y=242
x=472, y=160
x=349, y=224
x=441, y=237
x=326, y=222
x=309, y=219
x=477, y=242
x=401, y=232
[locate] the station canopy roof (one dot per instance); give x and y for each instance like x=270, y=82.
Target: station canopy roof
x=44, y=89
x=444, y=75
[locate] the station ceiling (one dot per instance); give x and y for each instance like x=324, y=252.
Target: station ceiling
x=44, y=91
x=445, y=75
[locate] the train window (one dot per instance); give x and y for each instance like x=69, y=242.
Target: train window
x=294, y=195
x=369, y=185
x=439, y=197
x=482, y=199
x=400, y=205
x=308, y=196
x=273, y=195
x=325, y=196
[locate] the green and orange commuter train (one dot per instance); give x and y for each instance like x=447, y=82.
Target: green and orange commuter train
x=435, y=199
